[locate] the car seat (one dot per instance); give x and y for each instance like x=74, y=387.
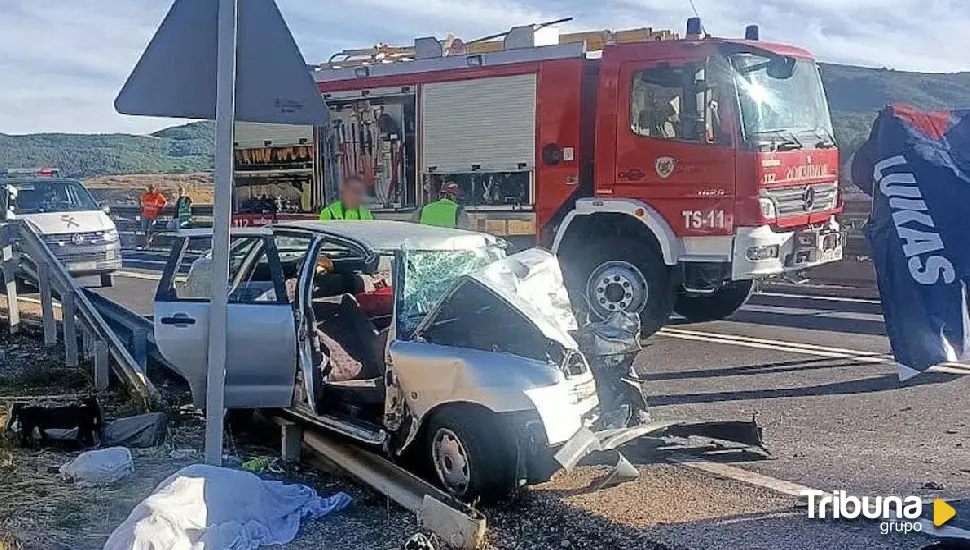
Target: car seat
x=341, y=319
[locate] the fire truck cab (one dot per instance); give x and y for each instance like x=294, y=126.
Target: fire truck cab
x=668, y=173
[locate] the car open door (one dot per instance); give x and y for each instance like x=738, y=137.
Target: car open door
x=261, y=356
x=342, y=256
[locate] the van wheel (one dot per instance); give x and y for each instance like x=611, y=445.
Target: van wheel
x=728, y=299
x=107, y=280
x=471, y=454
x=609, y=275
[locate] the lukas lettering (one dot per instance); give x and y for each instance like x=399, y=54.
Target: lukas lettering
x=915, y=227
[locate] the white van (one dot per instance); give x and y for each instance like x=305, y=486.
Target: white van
x=75, y=227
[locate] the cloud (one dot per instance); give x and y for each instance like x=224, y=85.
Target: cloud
x=64, y=61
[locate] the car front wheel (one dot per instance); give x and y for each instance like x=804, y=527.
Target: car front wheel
x=471, y=454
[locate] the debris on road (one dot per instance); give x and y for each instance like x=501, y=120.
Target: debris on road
x=141, y=431
x=418, y=541
x=99, y=467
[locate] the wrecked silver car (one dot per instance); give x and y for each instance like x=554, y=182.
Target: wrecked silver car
x=418, y=340
x=429, y=344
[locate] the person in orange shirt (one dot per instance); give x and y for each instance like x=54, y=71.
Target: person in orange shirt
x=152, y=203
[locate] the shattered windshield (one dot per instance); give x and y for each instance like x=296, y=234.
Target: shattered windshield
x=781, y=99
x=430, y=274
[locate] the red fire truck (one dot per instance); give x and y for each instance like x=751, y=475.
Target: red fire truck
x=668, y=173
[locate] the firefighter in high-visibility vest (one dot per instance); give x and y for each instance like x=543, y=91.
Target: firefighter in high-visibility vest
x=349, y=207
x=444, y=212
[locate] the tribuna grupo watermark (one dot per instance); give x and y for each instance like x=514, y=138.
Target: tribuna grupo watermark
x=895, y=514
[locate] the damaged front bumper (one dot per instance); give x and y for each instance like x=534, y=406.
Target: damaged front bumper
x=586, y=442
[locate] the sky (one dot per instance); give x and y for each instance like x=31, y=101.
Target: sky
x=63, y=61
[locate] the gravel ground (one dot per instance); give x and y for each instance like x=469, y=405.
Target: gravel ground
x=39, y=510
x=667, y=508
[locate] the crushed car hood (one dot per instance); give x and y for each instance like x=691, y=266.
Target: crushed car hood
x=531, y=281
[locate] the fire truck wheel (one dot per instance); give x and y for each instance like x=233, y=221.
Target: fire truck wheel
x=610, y=275
x=719, y=305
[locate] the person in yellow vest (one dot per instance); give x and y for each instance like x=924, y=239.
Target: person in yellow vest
x=444, y=212
x=349, y=207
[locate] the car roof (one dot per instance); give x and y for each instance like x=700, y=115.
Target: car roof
x=387, y=235
x=234, y=231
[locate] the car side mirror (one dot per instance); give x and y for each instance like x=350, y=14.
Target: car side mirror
x=106, y=209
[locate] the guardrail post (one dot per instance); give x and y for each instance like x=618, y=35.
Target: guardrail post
x=69, y=321
x=88, y=343
x=292, y=441
x=47, y=302
x=9, y=276
x=139, y=348
x=101, y=364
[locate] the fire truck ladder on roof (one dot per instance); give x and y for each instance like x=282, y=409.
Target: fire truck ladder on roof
x=516, y=38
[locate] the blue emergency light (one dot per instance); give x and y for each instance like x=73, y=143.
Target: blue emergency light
x=694, y=27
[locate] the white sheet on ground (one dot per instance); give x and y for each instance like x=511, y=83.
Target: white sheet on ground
x=206, y=507
x=99, y=467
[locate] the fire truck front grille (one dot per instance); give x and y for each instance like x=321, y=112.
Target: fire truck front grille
x=804, y=199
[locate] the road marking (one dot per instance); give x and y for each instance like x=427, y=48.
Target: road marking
x=823, y=298
x=136, y=275
x=797, y=347
x=777, y=345
x=739, y=474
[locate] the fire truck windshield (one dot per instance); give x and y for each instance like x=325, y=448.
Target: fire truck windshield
x=782, y=102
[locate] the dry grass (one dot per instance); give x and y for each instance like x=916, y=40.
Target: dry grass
x=126, y=189
x=43, y=511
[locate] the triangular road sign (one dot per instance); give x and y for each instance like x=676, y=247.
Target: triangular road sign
x=176, y=75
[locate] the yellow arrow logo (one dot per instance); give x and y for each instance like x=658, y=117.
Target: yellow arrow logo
x=942, y=512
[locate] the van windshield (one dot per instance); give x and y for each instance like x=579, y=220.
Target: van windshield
x=49, y=195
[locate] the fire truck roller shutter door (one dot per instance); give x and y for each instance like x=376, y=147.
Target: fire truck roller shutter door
x=488, y=122
x=253, y=135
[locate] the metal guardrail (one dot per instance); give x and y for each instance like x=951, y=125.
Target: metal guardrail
x=78, y=313
x=130, y=211
x=109, y=328
x=136, y=331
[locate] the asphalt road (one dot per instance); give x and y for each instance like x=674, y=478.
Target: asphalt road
x=812, y=369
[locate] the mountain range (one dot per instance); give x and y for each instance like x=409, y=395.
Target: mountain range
x=855, y=95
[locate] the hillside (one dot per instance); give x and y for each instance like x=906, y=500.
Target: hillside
x=186, y=148
x=855, y=95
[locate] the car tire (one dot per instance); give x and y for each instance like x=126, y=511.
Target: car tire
x=470, y=454
x=728, y=299
x=626, y=261
x=107, y=280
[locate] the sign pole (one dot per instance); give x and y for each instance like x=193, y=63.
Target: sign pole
x=221, y=220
